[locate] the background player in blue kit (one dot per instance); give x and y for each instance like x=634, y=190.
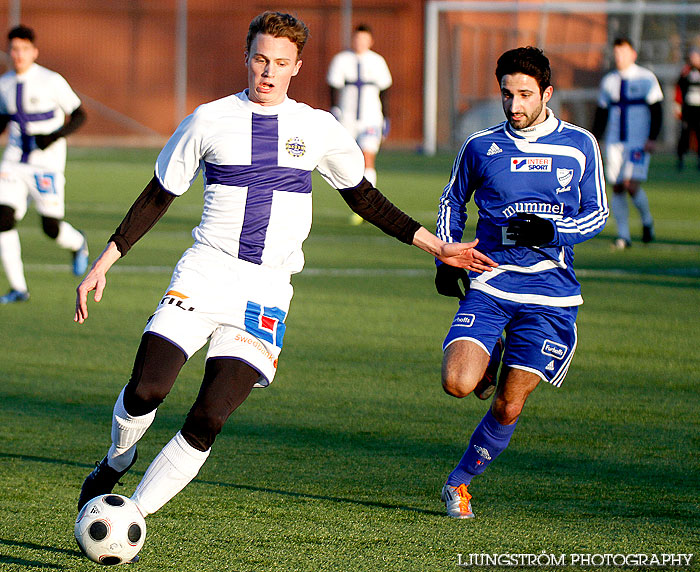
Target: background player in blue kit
x=35, y=102
x=232, y=288
x=538, y=185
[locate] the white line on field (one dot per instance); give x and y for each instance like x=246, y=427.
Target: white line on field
x=685, y=272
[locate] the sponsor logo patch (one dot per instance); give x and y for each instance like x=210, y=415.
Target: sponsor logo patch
x=466, y=320
x=45, y=184
x=555, y=350
x=531, y=164
x=173, y=297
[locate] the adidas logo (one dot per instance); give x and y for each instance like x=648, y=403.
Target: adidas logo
x=493, y=150
x=550, y=366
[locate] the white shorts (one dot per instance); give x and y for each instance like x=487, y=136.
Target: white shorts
x=238, y=306
x=368, y=137
x=625, y=162
x=20, y=184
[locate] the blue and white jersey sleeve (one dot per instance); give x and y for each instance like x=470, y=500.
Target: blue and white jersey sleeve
x=593, y=205
x=452, y=210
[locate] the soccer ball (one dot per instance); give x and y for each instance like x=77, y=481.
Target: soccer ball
x=110, y=529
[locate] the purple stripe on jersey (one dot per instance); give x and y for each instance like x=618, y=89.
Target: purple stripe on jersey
x=359, y=84
x=624, y=104
x=23, y=118
x=262, y=177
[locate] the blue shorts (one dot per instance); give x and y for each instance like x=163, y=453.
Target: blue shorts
x=539, y=339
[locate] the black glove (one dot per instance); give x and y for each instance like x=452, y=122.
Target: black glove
x=528, y=229
x=43, y=141
x=447, y=281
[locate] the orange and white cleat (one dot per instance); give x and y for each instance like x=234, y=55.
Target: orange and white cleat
x=457, y=501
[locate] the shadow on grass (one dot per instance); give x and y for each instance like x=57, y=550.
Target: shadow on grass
x=31, y=546
x=292, y=494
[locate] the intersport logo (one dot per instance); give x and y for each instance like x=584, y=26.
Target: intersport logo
x=531, y=164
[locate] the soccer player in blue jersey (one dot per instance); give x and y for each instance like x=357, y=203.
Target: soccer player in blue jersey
x=539, y=189
x=232, y=288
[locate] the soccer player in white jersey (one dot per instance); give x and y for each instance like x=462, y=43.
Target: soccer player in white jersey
x=539, y=188
x=629, y=105
x=232, y=288
x=35, y=102
x=359, y=79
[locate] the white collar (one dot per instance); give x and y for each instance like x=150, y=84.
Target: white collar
x=533, y=133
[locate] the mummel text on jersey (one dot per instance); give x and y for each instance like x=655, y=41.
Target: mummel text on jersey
x=553, y=170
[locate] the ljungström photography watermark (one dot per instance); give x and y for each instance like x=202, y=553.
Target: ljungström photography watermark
x=592, y=561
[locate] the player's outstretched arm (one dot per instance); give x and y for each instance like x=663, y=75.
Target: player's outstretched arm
x=462, y=255
x=96, y=279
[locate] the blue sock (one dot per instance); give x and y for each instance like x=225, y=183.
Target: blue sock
x=489, y=440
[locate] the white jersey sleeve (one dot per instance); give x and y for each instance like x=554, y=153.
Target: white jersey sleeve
x=179, y=162
x=343, y=164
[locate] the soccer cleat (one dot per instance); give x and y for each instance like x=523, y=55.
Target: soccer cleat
x=648, y=233
x=14, y=296
x=457, y=501
x=621, y=244
x=356, y=219
x=101, y=481
x=487, y=384
x=80, y=258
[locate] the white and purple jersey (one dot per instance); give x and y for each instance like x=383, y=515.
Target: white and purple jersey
x=553, y=170
x=37, y=102
x=257, y=163
x=628, y=95
x=360, y=77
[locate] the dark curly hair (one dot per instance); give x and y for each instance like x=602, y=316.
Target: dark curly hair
x=529, y=61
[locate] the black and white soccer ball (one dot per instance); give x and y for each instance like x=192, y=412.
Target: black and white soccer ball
x=110, y=529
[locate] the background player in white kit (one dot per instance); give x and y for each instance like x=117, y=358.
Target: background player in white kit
x=232, y=288
x=35, y=102
x=629, y=105
x=359, y=79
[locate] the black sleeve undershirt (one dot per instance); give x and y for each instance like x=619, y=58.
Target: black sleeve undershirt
x=142, y=216
x=655, y=123
x=375, y=208
x=600, y=122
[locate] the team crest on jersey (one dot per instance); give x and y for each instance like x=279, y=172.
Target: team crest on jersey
x=564, y=177
x=295, y=147
x=531, y=164
x=553, y=349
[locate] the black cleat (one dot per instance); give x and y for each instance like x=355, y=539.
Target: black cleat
x=101, y=481
x=648, y=233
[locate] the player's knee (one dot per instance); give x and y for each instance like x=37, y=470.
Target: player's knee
x=50, y=226
x=456, y=383
x=7, y=218
x=506, y=412
x=201, y=428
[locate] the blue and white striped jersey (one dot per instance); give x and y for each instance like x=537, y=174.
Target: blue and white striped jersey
x=553, y=170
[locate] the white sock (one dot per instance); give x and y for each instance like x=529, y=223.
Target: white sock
x=68, y=237
x=126, y=431
x=621, y=212
x=641, y=201
x=11, y=255
x=170, y=472
x=371, y=176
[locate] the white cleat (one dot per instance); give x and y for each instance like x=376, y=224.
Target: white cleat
x=457, y=501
